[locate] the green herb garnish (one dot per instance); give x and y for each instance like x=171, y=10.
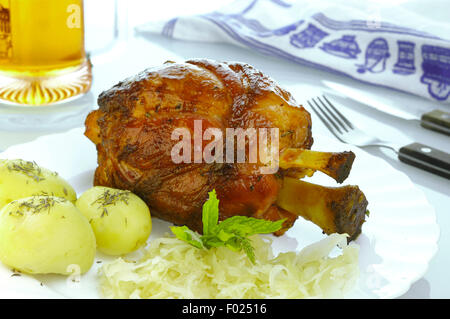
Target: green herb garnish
x=30, y=169
x=37, y=205
x=233, y=232
x=109, y=198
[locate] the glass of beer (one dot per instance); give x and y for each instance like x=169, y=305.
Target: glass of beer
x=42, y=55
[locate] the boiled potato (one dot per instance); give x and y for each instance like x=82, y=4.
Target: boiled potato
x=20, y=179
x=45, y=234
x=121, y=220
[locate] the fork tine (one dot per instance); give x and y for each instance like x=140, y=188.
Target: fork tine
x=327, y=115
x=338, y=113
x=325, y=121
x=334, y=116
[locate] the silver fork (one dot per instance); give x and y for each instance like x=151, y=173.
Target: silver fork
x=416, y=154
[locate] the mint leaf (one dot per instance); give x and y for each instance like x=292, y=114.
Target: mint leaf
x=234, y=243
x=238, y=243
x=246, y=245
x=224, y=236
x=210, y=213
x=232, y=233
x=248, y=226
x=211, y=241
x=187, y=235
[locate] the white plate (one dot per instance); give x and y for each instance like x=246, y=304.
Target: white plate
x=396, y=245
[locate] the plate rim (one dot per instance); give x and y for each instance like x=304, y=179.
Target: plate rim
x=402, y=288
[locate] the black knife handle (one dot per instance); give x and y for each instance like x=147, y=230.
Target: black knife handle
x=427, y=158
x=436, y=120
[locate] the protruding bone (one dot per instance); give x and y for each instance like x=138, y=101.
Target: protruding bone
x=333, y=209
x=335, y=165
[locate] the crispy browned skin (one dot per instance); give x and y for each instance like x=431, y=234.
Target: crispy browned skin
x=133, y=126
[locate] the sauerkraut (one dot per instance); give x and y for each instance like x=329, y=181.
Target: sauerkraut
x=171, y=268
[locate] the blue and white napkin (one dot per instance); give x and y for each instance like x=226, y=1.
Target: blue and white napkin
x=343, y=40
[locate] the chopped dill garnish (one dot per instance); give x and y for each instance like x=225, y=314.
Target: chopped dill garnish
x=30, y=169
x=110, y=198
x=37, y=205
x=43, y=193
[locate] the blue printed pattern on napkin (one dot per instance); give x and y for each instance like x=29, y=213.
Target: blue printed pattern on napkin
x=379, y=53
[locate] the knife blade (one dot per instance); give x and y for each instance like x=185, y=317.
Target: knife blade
x=436, y=120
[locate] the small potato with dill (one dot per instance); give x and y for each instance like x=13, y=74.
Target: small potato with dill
x=120, y=219
x=20, y=179
x=45, y=235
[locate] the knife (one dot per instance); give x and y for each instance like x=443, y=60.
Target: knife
x=436, y=120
